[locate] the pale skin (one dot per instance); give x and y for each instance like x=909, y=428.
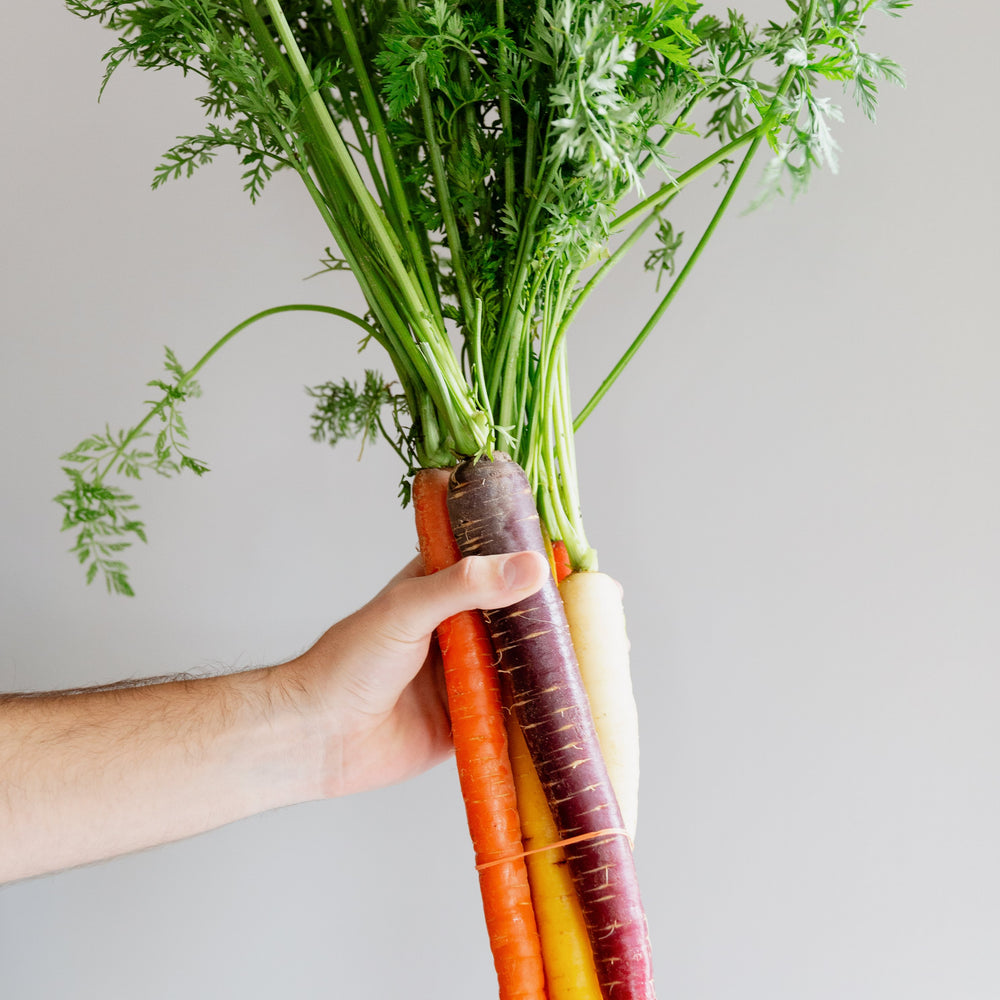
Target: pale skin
x=93, y=774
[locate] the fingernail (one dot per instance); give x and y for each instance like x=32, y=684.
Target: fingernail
x=519, y=570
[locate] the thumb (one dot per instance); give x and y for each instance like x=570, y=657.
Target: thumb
x=420, y=604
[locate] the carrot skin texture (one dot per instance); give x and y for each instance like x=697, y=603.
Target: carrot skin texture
x=485, y=776
x=596, y=621
x=492, y=511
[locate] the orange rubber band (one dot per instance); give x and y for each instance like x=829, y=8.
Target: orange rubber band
x=559, y=843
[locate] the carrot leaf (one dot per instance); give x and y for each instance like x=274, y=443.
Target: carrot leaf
x=348, y=410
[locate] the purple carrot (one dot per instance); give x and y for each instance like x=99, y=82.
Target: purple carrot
x=492, y=511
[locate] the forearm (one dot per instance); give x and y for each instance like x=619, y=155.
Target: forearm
x=89, y=775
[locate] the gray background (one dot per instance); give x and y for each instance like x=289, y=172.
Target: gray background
x=797, y=484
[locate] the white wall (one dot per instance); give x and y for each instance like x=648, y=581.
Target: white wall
x=798, y=484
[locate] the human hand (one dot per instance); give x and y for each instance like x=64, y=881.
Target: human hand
x=86, y=775
x=374, y=679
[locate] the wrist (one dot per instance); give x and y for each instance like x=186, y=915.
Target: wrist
x=288, y=754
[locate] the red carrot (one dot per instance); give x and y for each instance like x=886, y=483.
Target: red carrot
x=492, y=511
x=484, y=771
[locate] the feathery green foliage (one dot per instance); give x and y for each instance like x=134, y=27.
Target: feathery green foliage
x=103, y=515
x=481, y=168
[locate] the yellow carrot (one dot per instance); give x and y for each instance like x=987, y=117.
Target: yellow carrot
x=566, y=952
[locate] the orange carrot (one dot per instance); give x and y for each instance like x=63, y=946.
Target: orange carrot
x=560, y=560
x=484, y=771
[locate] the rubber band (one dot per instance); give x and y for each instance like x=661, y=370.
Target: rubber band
x=617, y=830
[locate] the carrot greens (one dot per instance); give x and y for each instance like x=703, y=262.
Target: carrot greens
x=481, y=168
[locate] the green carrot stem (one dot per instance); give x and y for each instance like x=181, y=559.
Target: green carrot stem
x=475, y=344
x=678, y=282
x=665, y=303
x=671, y=188
x=376, y=118
x=432, y=361
x=190, y=374
x=440, y=175
x=504, y=362
x=373, y=216
x=655, y=204
x=505, y=119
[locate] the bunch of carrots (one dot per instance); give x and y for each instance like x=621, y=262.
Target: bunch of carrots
x=472, y=163
x=550, y=790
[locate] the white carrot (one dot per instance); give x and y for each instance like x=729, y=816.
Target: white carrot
x=596, y=619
